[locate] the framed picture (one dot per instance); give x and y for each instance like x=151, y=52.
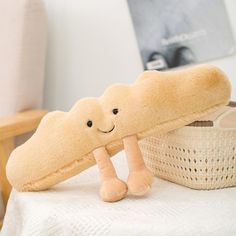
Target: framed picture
x=172, y=33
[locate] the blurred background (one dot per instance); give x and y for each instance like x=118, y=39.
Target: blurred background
x=173, y=33
x=92, y=44
x=54, y=52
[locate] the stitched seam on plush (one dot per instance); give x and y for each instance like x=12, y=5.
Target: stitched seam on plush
x=30, y=185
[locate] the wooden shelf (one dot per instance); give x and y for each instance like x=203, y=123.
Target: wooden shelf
x=20, y=123
x=10, y=127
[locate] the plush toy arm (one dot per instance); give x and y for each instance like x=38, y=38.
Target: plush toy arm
x=112, y=189
x=140, y=178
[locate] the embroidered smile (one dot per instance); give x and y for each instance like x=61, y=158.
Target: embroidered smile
x=109, y=131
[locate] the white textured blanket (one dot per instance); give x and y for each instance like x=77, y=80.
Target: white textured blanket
x=74, y=208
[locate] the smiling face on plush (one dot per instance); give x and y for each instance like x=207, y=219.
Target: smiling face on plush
x=93, y=121
x=104, y=119
x=64, y=142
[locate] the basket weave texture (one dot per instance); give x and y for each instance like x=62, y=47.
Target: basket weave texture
x=196, y=157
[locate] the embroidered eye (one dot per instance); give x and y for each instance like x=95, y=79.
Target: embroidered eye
x=89, y=123
x=115, y=111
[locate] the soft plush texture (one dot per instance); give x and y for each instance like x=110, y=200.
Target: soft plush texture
x=73, y=208
x=63, y=144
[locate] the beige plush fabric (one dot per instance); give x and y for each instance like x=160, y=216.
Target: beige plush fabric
x=22, y=54
x=156, y=102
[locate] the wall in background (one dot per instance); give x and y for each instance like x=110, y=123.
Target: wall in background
x=92, y=45
x=228, y=64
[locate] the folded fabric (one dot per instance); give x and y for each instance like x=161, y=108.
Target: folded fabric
x=64, y=142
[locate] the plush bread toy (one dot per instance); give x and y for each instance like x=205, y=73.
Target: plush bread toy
x=95, y=129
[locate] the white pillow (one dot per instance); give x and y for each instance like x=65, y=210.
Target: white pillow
x=22, y=54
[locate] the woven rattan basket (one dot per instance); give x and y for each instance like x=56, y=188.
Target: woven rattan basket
x=200, y=156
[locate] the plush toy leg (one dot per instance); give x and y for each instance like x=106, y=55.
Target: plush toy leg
x=140, y=178
x=112, y=188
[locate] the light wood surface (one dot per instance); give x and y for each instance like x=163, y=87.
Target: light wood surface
x=11, y=127
x=20, y=123
x=6, y=147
